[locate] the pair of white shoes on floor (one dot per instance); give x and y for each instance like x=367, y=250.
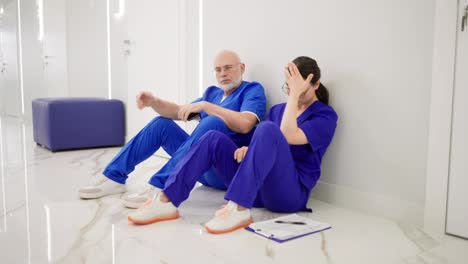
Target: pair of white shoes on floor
x=228, y=219
x=102, y=186
x=152, y=209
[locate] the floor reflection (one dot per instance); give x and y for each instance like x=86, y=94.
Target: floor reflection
x=3, y=213
x=43, y=220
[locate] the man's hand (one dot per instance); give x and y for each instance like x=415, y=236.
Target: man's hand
x=145, y=99
x=185, y=110
x=239, y=154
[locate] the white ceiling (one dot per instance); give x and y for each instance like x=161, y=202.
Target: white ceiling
x=4, y=2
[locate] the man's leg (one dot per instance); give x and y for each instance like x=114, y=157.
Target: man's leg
x=159, y=132
x=205, y=125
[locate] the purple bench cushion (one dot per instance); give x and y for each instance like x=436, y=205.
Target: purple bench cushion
x=73, y=123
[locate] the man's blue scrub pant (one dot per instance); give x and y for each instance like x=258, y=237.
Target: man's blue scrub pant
x=163, y=132
x=267, y=176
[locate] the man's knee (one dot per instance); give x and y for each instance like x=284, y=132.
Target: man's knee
x=211, y=123
x=160, y=122
x=212, y=120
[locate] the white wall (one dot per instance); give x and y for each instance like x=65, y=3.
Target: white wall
x=191, y=29
x=376, y=60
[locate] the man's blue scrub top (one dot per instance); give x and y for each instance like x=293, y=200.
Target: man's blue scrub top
x=249, y=97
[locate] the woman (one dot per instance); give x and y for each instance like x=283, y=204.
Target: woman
x=277, y=171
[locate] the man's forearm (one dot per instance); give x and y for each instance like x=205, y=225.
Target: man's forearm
x=165, y=108
x=236, y=121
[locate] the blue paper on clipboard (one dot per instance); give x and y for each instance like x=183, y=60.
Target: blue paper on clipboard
x=287, y=227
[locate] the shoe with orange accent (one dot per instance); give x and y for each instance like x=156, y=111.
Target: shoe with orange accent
x=154, y=211
x=229, y=219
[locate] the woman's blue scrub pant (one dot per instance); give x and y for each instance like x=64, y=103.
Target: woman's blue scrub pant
x=267, y=176
x=164, y=132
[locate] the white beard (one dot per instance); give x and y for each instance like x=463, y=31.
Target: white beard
x=234, y=84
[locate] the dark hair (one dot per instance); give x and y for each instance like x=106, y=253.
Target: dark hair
x=307, y=66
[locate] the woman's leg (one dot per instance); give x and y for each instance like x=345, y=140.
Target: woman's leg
x=268, y=171
x=214, y=149
x=267, y=174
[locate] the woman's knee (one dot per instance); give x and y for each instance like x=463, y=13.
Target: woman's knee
x=267, y=127
x=212, y=136
x=266, y=132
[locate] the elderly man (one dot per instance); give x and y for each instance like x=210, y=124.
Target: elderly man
x=233, y=108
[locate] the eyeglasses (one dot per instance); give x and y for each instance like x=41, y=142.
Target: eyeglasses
x=285, y=88
x=226, y=68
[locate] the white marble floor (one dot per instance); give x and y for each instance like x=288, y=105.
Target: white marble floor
x=43, y=221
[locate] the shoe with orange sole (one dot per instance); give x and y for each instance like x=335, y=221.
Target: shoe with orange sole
x=229, y=219
x=154, y=211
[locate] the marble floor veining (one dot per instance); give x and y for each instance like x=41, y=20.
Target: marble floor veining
x=42, y=220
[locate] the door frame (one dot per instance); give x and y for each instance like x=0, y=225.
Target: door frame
x=440, y=121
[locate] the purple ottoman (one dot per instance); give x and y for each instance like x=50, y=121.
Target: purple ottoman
x=74, y=123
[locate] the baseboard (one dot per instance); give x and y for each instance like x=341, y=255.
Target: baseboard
x=370, y=203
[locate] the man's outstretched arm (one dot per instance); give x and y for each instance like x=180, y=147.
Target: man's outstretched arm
x=164, y=108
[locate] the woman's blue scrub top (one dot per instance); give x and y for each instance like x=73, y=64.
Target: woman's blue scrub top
x=318, y=122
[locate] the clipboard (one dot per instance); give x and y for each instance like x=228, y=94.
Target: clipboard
x=287, y=228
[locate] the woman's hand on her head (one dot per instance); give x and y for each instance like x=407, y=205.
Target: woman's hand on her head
x=239, y=154
x=297, y=85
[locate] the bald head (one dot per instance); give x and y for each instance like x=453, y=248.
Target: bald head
x=228, y=69
x=226, y=57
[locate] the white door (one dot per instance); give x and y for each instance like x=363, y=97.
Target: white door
x=153, y=58
x=457, y=208
x=87, y=48
x=54, y=48
x=10, y=78
x=2, y=71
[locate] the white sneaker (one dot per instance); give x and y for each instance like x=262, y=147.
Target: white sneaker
x=229, y=219
x=100, y=187
x=154, y=211
x=136, y=200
